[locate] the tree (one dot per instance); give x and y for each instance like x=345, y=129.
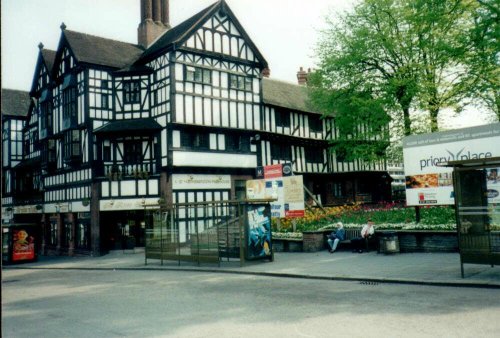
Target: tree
x=368, y=50
x=439, y=26
x=483, y=56
x=407, y=54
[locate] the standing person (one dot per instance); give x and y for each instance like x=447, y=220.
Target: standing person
x=358, y=243
x=336, y=236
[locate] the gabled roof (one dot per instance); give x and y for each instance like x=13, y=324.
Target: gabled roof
x=15, y=103
x=46, y=57
x=180, y=33
x=49, y=57
x=100, y=51
x=129, y=126
x=286, y=95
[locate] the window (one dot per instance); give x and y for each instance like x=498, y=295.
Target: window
x=49, y=154
x=195, y=139
x=72, y=150
x=132, y=152
x=131, y=92
x=53, y=233
x=315, y=124
x=200, y=75
x=237, y=143
x=69, y=107
x=82, y=235
x=104, y=84
x=240, y=82
x=105, y=101
x=282, y=118
x=281, y=151
x=46, y=118
x=106, y=153
x=314, y=155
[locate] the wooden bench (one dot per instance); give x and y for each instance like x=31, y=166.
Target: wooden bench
x=350, y=234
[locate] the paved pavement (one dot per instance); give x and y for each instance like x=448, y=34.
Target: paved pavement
x=411, y=268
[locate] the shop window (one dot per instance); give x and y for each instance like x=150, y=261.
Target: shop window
x=53, y=233
x=82, y=236
x=198, y=75
x=131, y=92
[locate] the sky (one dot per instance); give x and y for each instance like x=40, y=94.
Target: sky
x=285, y=31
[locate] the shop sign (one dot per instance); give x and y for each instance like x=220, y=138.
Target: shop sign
x=200, y=182
x=128, y=204
x=27, y=209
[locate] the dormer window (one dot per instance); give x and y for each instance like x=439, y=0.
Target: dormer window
x=132, y=92
x=198, y=75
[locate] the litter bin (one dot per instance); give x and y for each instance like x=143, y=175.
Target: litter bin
x=388, y=242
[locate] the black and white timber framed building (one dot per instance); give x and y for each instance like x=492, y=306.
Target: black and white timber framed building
x=109, y=127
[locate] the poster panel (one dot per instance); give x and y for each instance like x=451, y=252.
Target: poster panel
x=427, y=183
x=288, y=192
x=258, y=221
x=23, y=245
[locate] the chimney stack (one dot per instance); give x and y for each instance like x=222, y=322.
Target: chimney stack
x=154, y=21
x=302, y=76
x=266, y=72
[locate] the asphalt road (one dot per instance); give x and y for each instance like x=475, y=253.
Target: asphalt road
x=75, y=303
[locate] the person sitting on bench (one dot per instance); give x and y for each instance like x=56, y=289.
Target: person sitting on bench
x=359, y=243
x=336, y=236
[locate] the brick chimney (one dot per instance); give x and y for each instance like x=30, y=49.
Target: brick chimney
x=155, y=20
x=266, y=72
x=302, y=76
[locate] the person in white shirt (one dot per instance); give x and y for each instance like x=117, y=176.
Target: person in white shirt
x=359, y=243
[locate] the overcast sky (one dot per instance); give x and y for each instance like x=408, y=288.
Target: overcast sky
x=285, y=31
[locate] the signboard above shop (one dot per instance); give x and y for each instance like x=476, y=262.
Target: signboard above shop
x=428, y=182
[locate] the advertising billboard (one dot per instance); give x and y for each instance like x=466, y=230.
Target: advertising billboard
x=427, y=183
x=259, y=237
x=288, y=192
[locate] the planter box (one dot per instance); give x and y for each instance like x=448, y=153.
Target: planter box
x=427, y=241
x=287, y=245
x=314, y=241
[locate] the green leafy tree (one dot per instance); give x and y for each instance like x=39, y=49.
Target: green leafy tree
x=482, y=59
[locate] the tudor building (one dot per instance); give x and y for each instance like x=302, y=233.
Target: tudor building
x=185, y=115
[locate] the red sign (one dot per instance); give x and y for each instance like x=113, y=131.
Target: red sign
x=273, y=171
x=23, y=246
x=294, y=213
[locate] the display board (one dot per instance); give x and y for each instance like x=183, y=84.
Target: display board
x=258, y=232
x=428, y=183
x=288, y=192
